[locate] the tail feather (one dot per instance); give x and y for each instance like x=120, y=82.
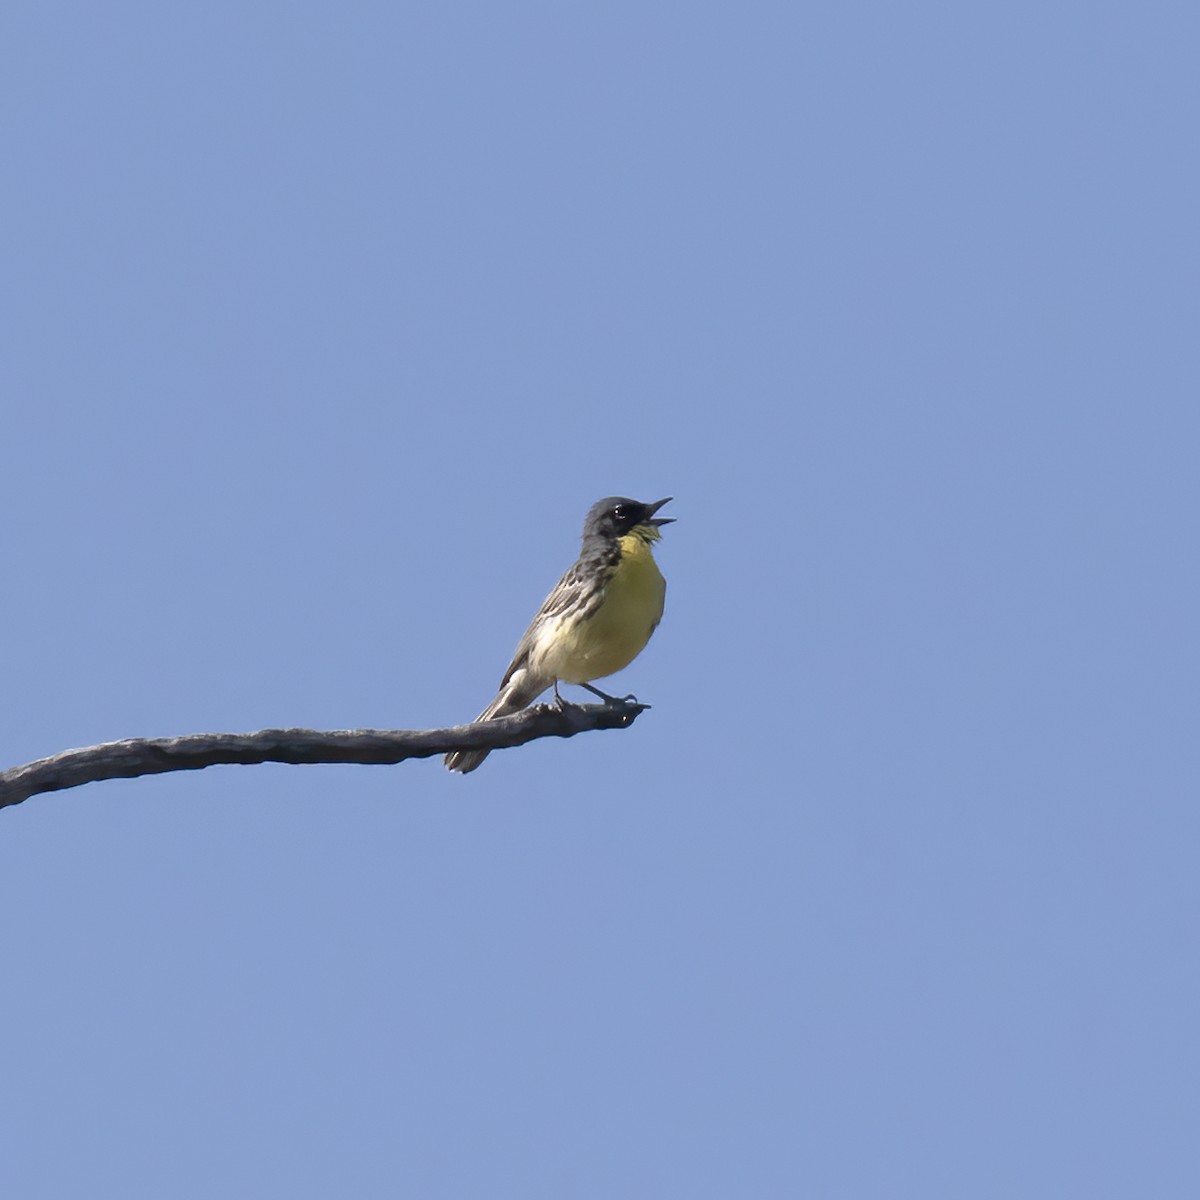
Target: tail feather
x=512, y=699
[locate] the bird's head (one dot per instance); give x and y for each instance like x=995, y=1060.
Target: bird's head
x=616, y=516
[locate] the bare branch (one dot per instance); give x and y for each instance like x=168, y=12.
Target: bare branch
x=152, y=756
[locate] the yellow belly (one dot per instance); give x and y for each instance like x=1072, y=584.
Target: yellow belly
x=617, y=632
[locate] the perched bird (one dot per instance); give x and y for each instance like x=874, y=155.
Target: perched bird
x=597, y=619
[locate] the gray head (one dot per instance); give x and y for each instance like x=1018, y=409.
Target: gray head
x=615, y=516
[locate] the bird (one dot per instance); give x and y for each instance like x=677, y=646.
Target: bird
x=596, y=620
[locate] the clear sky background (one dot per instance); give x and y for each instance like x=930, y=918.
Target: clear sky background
x=323, y=326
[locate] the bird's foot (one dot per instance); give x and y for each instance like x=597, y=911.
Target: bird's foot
x=612, y=701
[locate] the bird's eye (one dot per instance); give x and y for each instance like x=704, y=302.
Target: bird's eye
x=621, y=512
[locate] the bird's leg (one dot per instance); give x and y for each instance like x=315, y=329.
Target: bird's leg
x=630, y=699
x=559, y=702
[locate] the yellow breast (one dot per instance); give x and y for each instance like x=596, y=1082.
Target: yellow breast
x=617, y=632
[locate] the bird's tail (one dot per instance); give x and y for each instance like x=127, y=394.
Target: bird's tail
x=510, y=700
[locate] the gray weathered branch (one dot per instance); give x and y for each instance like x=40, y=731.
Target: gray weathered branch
x=152, y=756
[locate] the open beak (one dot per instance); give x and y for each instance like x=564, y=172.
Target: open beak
x=651, y=509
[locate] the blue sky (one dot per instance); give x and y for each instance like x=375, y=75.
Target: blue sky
x=325, y=324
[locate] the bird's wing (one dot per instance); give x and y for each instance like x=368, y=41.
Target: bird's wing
x=577, y=592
